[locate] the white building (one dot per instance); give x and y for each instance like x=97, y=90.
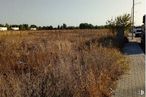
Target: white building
x=3, y=28
x=33, y=28
x=15, y=28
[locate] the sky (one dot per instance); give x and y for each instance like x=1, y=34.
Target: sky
x=70, y=12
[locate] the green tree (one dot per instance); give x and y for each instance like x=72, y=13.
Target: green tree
x=58, y=27
x=50, y=27
x=111, y=24
x=64, y=26
x=86, y=26
x=123, y=20
x=26, y=26
x=8, y=26
x=1, y=25
x=21, y=27
x=33, y=26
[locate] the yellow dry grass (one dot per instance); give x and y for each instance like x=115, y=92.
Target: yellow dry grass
x=59, y=63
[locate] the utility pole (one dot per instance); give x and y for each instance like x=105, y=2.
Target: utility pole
x=133, y=21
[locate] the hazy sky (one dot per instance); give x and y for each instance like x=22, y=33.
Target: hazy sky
x=71, y=12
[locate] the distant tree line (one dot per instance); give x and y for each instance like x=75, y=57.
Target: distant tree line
x=63, y=26
x=60, y=27
x=110, y=24
x=124, y=20
x=90, y=26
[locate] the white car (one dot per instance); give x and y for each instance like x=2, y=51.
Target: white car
x=137, y=31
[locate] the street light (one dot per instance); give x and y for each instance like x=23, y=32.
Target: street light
x=133, y=20
x=133, y=16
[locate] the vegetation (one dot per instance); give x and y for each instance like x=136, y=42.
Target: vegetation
x=123, y=20
x=86, y=26
x=59, y=27
x=24, y=27
x=59, y=63
x=33, y=26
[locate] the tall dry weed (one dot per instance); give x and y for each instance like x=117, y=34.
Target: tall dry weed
x=67, y=63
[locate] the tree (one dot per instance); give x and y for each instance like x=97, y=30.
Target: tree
x=23, y=27
x=86, y=26
x=33, y=26
x=26, y=26
x=123, y=20
x=64, y=26
x=1, y=25
x=50, y=27
x=58, y=27
x=111, y=24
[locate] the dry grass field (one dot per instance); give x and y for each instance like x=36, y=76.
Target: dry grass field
x=59, y=63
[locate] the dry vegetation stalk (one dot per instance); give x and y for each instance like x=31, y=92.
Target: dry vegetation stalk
x=59, y=63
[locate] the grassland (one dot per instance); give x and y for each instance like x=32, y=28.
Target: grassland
x=59, y=63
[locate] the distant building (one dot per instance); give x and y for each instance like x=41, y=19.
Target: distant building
x=15, y=28
x=33, y=29
x=3, y=28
